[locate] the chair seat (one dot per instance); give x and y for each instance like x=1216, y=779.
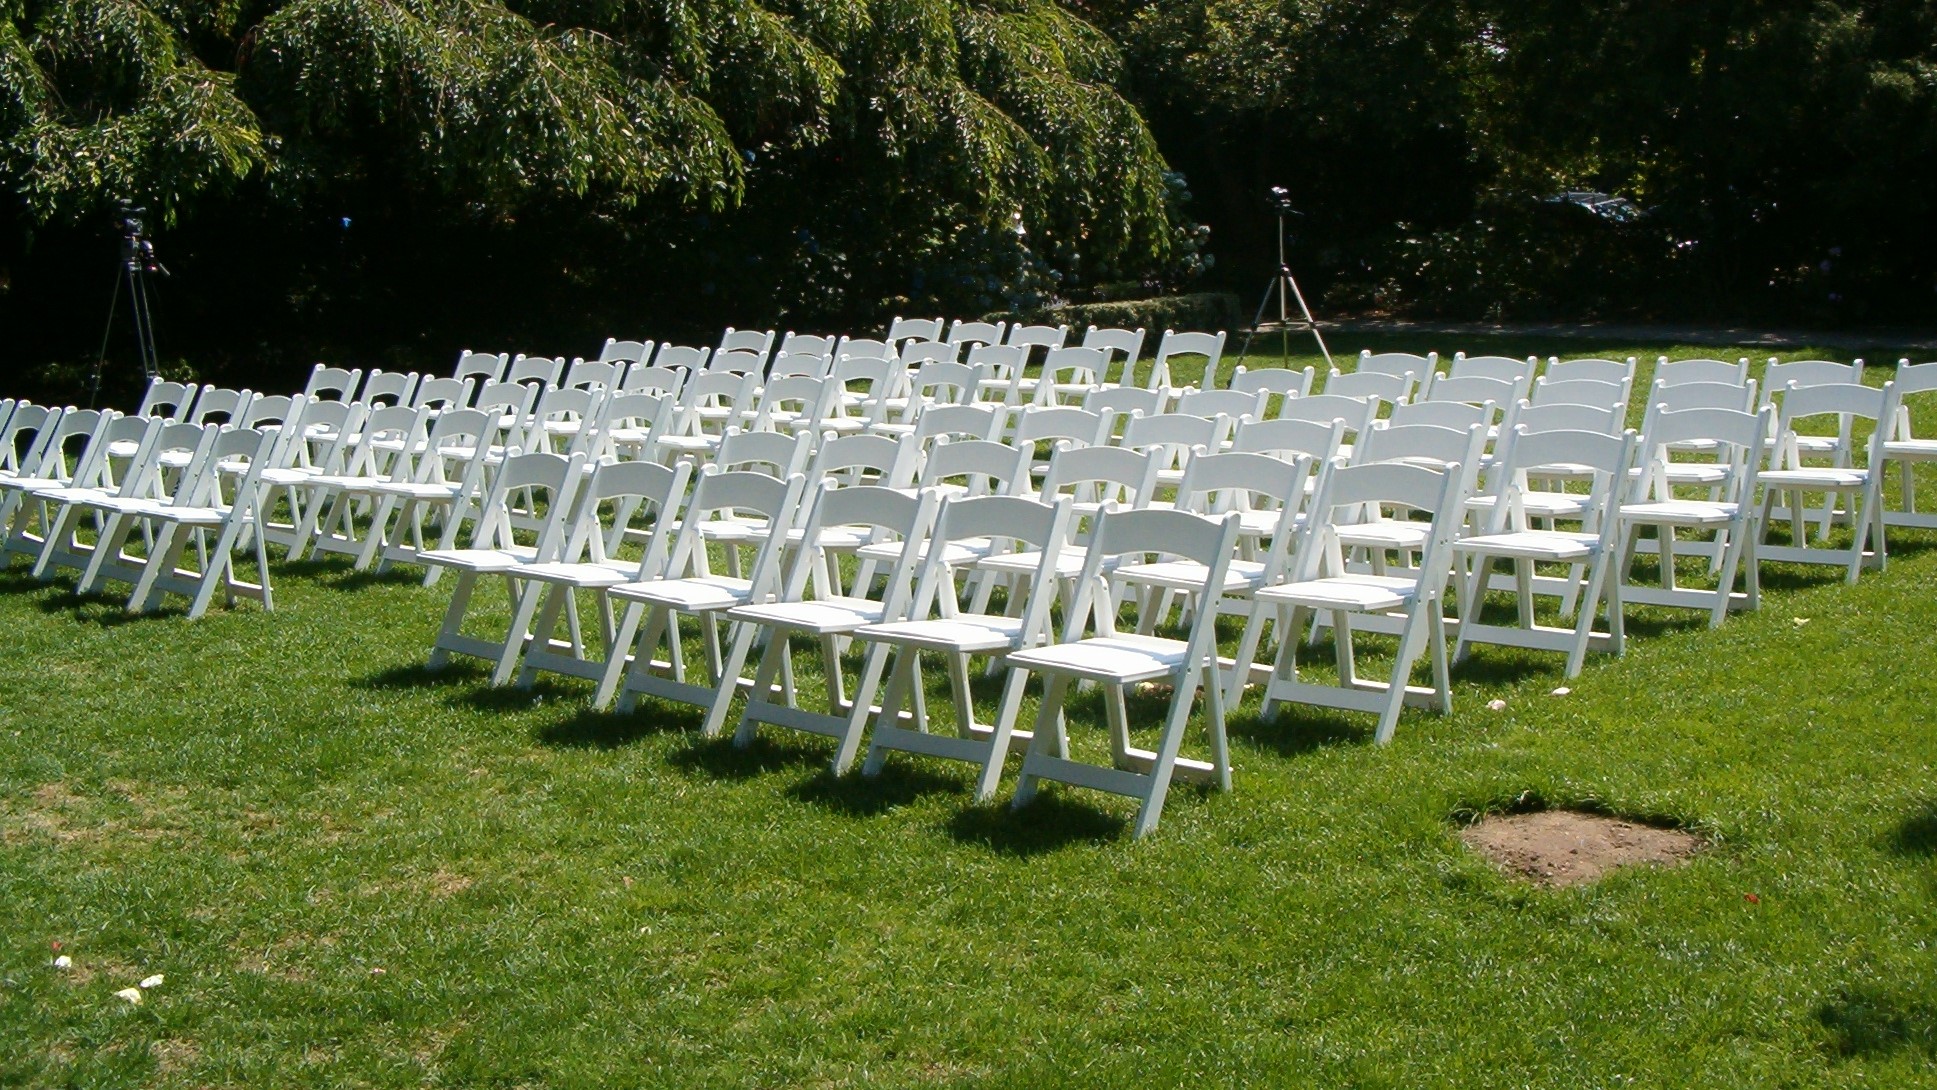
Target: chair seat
x=286, y=475
x=479, y=560
x=1242, y=577
x=123, y=448
x=734, y=529
x=1680, y=512
x=823, y=616
x=694, y=594
x=1389, y=534
x=187, y=516
x=425, y=490
x=66, y=493
x=1911, y=448
x=955, y=554
x=1362, y=593
x=345, y=482
x=575, y=575
x=692, y=444
x=1531, y=545
x=1069, y=562
x=1696, y=473
x=1816, y=477
x=965, y=632
x=1538, y=504
x=838, y=538
x=1125, y=658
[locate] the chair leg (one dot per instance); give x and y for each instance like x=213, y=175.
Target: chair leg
x=1051, y=737
x=736, y=661
x=857, y=716
x=440, y=655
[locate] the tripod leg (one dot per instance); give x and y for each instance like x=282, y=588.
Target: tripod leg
x=1258, y=318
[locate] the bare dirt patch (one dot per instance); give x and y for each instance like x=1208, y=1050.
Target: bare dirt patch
x=1557, y=848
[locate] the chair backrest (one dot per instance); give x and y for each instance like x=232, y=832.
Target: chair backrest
x=775, y=453
x=981, y=466
x=1121, y=347
x=959, y=422
x=1474, y=390
x=631, y=417
x=167, y=400
x=1620, y=372
x=1738, y=438
x=540, y=371
x=941, y=383
x=389, y=388
x=850, y=460
x=740, y=361
x=1357, y=413
x=1081, y=368
x=1370, y=491
x=1607, y=458
x=1779, y=376
x=575, y=414
x=1422, y=443
x=1457, y=415
x=1001, y=367
x=865, y=384
x=1517, y=372
x=1563, y=416
x=28, y=430
x=1037, y=336
x=186, y=445
x=794, y=402
x=1011, y=522
x=888, y=514
x=1844, y=400
x=1124, y=400
x=624, y=500
x=1177, y=348
x=320, y=437
x=682, y=357
x=481, y=367
x=651, y=378
x=71, y=434
x=1373, y=386
x=531, y=477
x=1173, y=430
x=220, y=405
x=272, y=412
x=808, y=364
x=913, y=329
x=1911, y=378
x=712, y=401
x=623, y=352
x=450, y=450
x=585, y=373
x=808, y=344
x=865, y=348
x=970, y=334
x=1236, y=404
x=1169, y=534
x=384, y=444
x=442, y=393
x=1099, y=474
x=1283, y=438
x=1675, y=372
x=511, y=398
x=1578, y=391
x=238, y=455
x=1398, y=363
x=1036, y=425
x=1273, y=381
x=729, y=494
x=756, y=341
x=334, y=383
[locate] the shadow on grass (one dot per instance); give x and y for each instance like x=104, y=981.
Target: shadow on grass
x=592, y=729
x=855, y=795
x=356, y=580
x=1048, y=823
x=720, y=758
x=1868, y=1023
x=1300, y=729
x=103, y=610
x=1917, y=835
x=420, y=676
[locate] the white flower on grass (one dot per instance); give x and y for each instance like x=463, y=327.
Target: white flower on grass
x=152, y=981
x=1496, y=705
x=1800, y=621
x=1562, y=691
x=63, y=962
x=132, y=995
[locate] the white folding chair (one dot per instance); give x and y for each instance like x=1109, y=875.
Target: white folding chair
x=935, y=624
x=67, y=450
x=389, y=388
x=1738, y=439
x=1374, y=386
x=1522, y=498
x=1178, y=347
x=620, y=501
x=445, y=478
x=494, y=548
x=625, y=352
x=689, y=588
x=480, y=368
x=1277, y=384
x=325, y=383
x=1675, y=372
x=98, y=479
x=1094, y=650
x=969, y=335
x=758, y=342
x=1325, y=584
x=1795, y=470
x=1902, y=446
x=1121, y=349
x=913, y=329
x=1398, y=363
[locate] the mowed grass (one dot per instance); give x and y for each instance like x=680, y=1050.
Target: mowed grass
x=354, y=872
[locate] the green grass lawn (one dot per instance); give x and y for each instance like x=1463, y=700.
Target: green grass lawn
x=354, y=872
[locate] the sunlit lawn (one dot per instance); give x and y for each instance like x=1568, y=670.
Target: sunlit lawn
x=354, y=872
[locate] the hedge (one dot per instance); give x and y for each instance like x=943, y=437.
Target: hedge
x=1206, y=311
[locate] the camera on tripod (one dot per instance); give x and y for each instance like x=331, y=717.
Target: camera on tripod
x=1278, y=200
x=137, y=249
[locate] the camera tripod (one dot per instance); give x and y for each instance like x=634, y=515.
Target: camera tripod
x=137, y=261
x=1285, y=287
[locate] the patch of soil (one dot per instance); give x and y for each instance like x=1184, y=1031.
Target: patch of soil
x=1556, y=848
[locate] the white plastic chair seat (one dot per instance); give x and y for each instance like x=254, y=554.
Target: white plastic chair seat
x=968, y=633
x=1069, y=562
x=34, y=486
x=837, y=538
x=1531, y=545
x=734, y=530
x=822, y=617
x=1363, y=593
x=1696, y=473
x=1812, y=477
x=286, y=475
x=1125, y=658
x=123, y=448
x=695, y=594
x=188, y=516
x=1910, y=448
x=1680, y=512
x=417, y=490
x=955, y=554
x=62, y=492
x=480, y=560
x=690, y=444
x=173, y=459
x=346, y=482
x=1818, y=444
x=1553, y=505
x=577, y=575
x=1243, y=576
x=1389, y=534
